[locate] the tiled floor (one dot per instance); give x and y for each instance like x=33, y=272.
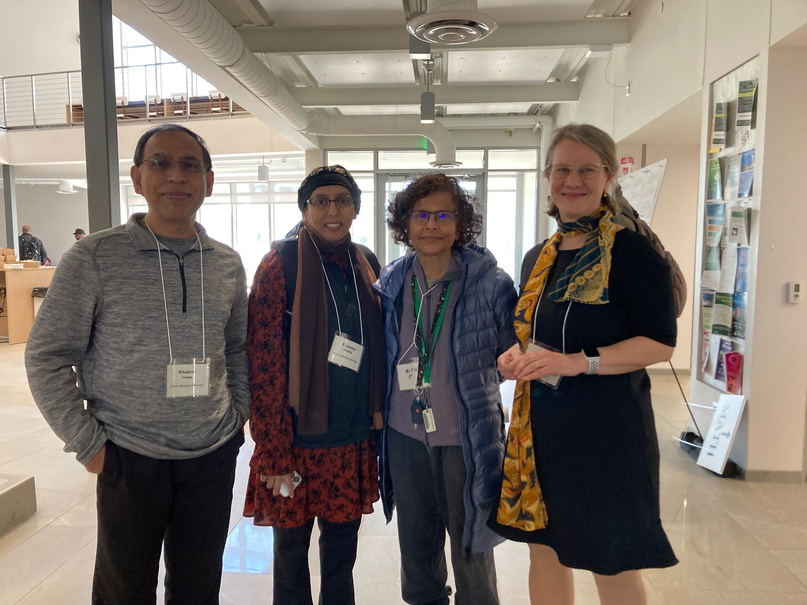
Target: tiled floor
x=739, y=543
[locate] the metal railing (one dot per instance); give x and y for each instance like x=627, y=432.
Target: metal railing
x=148, y=92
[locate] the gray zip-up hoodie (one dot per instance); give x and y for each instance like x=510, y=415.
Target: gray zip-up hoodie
x=103, y=325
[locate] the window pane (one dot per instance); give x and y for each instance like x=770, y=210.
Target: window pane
x=471, y=158
x=284, y=218
x=502, y=183
x=409, y=160
x=508, y=159
x=420, y=160
x=143, y=55
x=252, y=235
x=352, y=160
x=499, y=229
x=217, y=220
x=363, y=229
x=393, y=250
x=251, y=193
x=530, y=210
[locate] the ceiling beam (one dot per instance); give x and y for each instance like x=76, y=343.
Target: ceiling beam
x=255, y=12
x=560, y=92
x=334, y=40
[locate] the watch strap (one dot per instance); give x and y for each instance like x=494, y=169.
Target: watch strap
x=592, y=356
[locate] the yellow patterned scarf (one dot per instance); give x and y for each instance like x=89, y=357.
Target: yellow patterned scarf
x=521, y=504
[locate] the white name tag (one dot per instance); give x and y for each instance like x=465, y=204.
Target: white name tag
x=345, y=353
x=428, y=420
x=408, y=375
x=188, y=378
x=551, y=380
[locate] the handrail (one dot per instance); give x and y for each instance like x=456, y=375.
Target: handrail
x=55, y=99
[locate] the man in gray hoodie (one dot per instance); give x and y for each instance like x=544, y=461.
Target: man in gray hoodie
x=145, y=323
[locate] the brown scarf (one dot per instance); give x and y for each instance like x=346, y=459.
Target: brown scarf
x=311, y=338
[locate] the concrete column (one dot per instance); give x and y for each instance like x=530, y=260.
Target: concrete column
x=100, y=120
x=10, y=204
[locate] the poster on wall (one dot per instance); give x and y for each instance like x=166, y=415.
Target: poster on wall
x=641, y=188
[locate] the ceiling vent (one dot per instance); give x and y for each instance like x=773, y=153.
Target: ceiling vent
x=451, y=22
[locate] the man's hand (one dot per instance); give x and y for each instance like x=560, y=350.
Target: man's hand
x=96, y=464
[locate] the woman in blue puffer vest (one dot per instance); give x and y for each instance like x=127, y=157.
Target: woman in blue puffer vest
x=448, y=313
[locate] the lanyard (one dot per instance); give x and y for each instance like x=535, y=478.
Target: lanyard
x=425, y=366
x=165, y=299
x=355, y=287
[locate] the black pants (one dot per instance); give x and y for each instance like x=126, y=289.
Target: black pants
x=145, y=504
x=429, y=485
x=337, y=555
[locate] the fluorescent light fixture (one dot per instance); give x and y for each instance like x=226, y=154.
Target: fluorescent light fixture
x=427, y=108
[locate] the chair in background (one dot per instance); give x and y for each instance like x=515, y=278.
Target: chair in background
x=154, y=100
x=120, y=104
x=216, y=101
x=179, y=100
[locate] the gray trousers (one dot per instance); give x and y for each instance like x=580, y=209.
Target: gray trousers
x=428, y=483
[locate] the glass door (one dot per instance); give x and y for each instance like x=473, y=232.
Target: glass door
x=389, y=184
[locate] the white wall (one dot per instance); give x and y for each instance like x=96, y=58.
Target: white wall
x=673, y=54
x=52, y=216
x=49, y=44
x=675, y=222
x=778, y=378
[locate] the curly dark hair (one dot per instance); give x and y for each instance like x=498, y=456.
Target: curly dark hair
x=469, y=221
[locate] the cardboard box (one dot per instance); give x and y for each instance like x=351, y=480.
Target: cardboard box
x=30, y=264
x=6, y=251
x=11, y=258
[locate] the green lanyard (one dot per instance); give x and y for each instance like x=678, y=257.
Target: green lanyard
x=425, y=366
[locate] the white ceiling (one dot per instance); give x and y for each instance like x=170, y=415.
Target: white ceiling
x=351, y=57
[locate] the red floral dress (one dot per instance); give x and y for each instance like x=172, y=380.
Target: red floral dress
x=339, y=483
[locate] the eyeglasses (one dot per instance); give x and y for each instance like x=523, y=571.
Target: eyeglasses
x=586, y=172
x=324, y=202
x=441, y=217
x=159, y=163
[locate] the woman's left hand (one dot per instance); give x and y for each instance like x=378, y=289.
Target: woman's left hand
x=532, y=366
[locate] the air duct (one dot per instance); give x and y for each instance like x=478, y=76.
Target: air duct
x=203, y=26
x=451, y=22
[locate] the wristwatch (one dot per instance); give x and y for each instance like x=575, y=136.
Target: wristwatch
x=592, y=356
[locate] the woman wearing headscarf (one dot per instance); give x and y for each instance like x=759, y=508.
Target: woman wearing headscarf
x=581, y=471
x=315, y=344
x=448, y=315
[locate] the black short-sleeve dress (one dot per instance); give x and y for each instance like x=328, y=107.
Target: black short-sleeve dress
x=595, y=440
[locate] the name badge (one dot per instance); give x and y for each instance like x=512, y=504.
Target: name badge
x=188, y=378
x=408, y=375
x=345, y=353
x=552, y=380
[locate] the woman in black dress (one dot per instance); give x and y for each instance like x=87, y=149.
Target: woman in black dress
x=581, y=477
